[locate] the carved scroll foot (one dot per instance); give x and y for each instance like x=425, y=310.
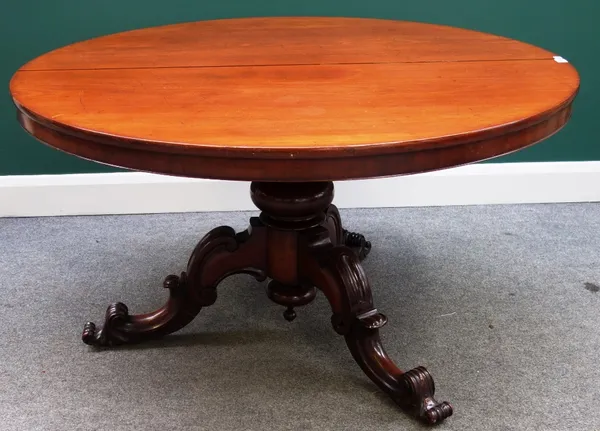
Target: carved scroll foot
x=338, y=273
x=420, y=389
x=413, y=390
x=358, y=243
x=116, y=316
x=120, y=327
x=219, y=254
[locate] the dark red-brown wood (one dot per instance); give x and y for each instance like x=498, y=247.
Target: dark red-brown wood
x=294, y=99
x=298, y=241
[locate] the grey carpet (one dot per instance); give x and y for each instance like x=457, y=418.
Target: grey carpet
x=500, y=303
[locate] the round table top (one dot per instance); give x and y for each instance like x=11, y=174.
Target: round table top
x=294, y=99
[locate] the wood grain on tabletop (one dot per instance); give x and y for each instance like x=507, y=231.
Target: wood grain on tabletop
x=303, y=88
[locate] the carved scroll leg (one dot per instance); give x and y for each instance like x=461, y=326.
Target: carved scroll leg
x=341, y=236
x=120, y=327
x=413, y=390
x=338, y=273
x=219, y=254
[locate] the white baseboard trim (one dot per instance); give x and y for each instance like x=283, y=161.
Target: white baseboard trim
x=140, y=193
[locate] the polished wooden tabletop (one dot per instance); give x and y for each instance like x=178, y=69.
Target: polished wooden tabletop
x=294, y=99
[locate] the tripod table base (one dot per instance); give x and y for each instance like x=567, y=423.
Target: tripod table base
x=299, y=243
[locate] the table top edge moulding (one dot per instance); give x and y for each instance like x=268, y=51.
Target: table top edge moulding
x=289, y=166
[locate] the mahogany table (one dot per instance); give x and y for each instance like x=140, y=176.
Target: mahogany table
x=292, y=104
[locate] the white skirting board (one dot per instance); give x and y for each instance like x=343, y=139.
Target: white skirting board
x=140, y=193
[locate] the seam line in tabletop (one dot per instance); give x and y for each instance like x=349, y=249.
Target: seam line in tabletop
x=286, y=65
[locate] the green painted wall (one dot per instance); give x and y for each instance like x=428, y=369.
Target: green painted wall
x=566, y=27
